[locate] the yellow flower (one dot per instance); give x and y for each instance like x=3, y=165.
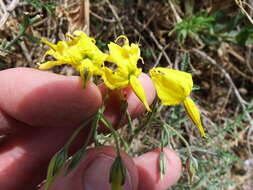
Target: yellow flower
x=194, y=114
x=173, y=87
x=126, y=72
x=80, y=51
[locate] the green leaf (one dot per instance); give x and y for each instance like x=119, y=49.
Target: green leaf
x=162, y=164
x=55, y=165
x=76, y=158
x=185, y=61
x=39, y=5
x=243, y=36
x=165, y=138
x=25, y=23
x=32, y=38
x=117, y=174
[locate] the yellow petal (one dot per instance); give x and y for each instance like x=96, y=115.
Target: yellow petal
x=126, y=56
x=53, y=46
x=135, y=51
x=50, y=64
x=172, y=86
x=139, y=91
x=116, y=55
x=194, y=114
x=113, y=80
x=79, y=33
x=73, y=51
x=80, y=51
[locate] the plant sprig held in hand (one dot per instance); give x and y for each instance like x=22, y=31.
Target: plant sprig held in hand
x=80, y=51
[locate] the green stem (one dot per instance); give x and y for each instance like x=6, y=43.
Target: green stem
x=77, y=131
x=94, y=127
x=27, y=23
x=92, y=130
x=113, y=131
x=77, y=157
x=16, y=38
x=130, y=122
x=167, y=126
x=142, y=127
x=145, y=124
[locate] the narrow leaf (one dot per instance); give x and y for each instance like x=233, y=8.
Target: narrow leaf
x=55, y=165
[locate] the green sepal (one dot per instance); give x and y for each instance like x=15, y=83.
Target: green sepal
x=117, y=174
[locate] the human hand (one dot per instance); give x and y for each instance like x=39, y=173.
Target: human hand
x=39, y=111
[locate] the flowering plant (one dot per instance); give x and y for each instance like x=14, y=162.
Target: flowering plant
x=173, y=87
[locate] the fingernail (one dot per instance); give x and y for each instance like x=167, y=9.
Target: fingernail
x=96, y=176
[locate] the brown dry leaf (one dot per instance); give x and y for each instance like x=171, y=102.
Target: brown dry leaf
x=78, y=15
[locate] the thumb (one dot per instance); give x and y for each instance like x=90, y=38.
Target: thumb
x=94, y=170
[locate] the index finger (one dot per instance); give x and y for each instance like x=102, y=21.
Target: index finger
x=40, y=98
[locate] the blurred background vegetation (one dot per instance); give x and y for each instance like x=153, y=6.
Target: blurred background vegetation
x=212, y=39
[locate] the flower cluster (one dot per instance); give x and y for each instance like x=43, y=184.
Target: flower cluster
x=173, y=87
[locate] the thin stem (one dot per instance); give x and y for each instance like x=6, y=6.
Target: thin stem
x=93, y=128
x=77, y=157
x=130, y=122
x=165, y=125
x=145, y=124
x=16, y=38
x=96, y=125
x=22, y=32
x=113, y=131
x=77, y=131
x=139, y=129
x=123, y=112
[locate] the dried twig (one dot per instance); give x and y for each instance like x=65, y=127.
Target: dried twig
x=241, y=101
x=87, y=15
x=114, y=12
x=160, y=47
x=241, y=5
x=227, y=76
x=26, y=52
x=102, y=18
x=78, y=15
x=249, y=47
x=158, y=59
x=248, y=58
x=160, y=56
x=7, y=11
x=178, y=18
x=226, y=100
